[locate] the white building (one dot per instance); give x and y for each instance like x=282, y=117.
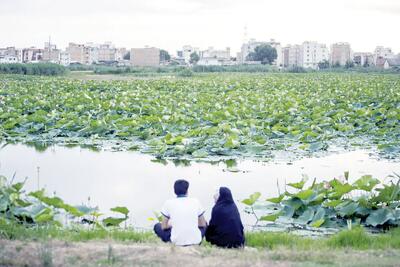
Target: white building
x=186, y=51
x=251, y=45
x=65, y=58
x=10, y=55
x=213, y=56
x=214, y=53
x=383, y=53
x=9, y=59
x=312, y=53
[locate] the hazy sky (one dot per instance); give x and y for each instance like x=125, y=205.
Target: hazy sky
x=170, y=24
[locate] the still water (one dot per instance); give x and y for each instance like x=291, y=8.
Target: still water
x=133, y=180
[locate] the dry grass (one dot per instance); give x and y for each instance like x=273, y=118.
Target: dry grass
x=111, y=253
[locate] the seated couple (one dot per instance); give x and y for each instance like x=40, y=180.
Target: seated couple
x=184, y=224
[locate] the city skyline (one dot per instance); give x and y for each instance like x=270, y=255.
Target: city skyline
x=170, y=25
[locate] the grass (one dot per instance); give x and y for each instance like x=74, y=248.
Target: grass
x=53, y=246
x=73, y=234
x=356, y=238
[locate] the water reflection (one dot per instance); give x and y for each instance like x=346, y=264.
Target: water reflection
x=142, y=184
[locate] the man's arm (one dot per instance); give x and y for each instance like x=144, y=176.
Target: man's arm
x=202, y=221
x=164, y=223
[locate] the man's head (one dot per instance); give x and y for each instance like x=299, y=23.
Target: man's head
x=181, y=187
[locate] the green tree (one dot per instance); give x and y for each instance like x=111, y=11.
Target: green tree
x=164, y=55
x=127, y=55
x=264, y=53
x=194, y=58
x=349, y=64
x=337, y=64
x=366, y=63
x=323, y=64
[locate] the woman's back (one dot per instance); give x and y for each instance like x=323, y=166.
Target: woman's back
x=225, y=228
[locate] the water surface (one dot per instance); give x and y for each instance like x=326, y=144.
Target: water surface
x=133, y=180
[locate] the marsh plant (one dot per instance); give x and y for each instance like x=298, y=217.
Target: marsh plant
x=36, y=208
x=335, y=203
x=206, y=117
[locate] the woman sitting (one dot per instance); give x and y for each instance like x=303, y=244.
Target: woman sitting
x=225, y=228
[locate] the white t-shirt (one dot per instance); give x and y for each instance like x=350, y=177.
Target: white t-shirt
x=183, y=214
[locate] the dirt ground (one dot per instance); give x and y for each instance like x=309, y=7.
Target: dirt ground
x=103, y=253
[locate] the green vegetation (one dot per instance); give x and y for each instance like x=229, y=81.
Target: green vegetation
x=164, y=55
x=266, y=54
x=35, y=208
x=356, y=238
x=44, y=233
x=74, y=233
x=47, y=69
x=334, y=204
x=257, y=68
x=208, y=117
x=194, y=58
x=235, y=68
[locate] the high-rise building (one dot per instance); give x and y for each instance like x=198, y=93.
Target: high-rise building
x=341, y=53
x=312, y=53
x=292, y=56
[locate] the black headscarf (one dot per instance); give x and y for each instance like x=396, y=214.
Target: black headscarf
x=225, y=228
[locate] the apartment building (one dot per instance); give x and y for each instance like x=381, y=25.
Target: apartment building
x=363, y=59
x=51, y=53
x=32, y=55
x=341, y=53
x=292, y=56
x=86, y=54
x=77, y=53
x=382, y=52
x=145, y=57
x=107, y=52
x=312, y=53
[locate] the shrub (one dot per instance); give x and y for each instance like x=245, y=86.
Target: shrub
x=185, y=73
x=48, y=69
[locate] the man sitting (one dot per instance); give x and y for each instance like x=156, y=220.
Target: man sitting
x=183, y=218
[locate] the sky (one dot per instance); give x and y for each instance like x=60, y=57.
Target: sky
x=170, y=24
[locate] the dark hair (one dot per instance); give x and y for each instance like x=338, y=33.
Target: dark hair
x=181, y=187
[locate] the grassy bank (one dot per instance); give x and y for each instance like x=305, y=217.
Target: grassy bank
x=107, y=253
x=51, y=246
x=356, y=238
